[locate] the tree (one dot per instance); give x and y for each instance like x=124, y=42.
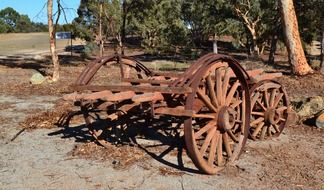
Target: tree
x=159, y=23
x=24, y=24
x=296, y=54
x=10, y=17
x=311, y=17
x=51, y=30
x=322, y=44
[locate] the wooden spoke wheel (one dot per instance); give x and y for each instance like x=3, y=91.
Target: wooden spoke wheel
x=102, y=124
x=218, y=131
x=120, y=68
x=269, y=104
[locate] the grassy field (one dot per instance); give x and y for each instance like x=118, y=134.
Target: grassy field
x=20, y=43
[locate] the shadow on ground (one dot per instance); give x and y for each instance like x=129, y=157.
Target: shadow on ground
x=159, y=138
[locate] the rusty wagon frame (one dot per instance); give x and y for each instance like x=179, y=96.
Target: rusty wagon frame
x=220, y=103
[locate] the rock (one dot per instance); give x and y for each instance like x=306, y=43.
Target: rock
x=39, y=57
x=311, y=107
x=37, y=78
x=320, y=120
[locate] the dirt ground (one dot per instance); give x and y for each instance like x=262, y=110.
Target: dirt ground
x=49, y=156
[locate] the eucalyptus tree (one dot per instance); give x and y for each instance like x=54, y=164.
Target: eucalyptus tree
x=296, y=53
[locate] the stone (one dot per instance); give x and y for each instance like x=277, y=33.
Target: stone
x=311, y=107
x=320, y=120
x=39, y=57
x=37, y=78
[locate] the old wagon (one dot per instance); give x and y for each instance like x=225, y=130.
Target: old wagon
x=220, y=103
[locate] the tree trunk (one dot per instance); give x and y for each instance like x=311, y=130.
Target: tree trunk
x=322, y=44
x=296, y=53
x=51, y=30
x=273, y=49
x=215, y=47
x=123, y=27
x=101, y=47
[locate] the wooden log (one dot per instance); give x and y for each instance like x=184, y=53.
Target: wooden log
x=148, y=97
x=138, y=88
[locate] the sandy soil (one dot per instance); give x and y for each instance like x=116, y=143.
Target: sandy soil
x=51, y=157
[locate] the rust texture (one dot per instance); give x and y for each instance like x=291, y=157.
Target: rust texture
x=215, y=98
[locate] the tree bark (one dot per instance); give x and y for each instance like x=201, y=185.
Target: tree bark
x=273, y=47
x=296, y=53
x=215, y=47
x=322, y=44
x=101, y=47
x=52, y=40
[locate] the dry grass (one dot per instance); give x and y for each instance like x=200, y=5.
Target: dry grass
x=14, y=43
x=120, y=156
x=47, y=119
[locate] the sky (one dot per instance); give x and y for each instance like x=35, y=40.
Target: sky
x=37, y=10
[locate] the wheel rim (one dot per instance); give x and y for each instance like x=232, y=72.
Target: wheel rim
x=218, y=132
x=269, y=104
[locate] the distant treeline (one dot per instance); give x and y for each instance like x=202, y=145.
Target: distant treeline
x=13, y=22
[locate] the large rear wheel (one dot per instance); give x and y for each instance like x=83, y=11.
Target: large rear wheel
x=218, y=130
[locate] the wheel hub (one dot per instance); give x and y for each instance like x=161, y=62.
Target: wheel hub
x=226, y=118
x=271, y=116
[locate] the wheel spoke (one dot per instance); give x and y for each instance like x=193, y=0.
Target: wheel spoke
x=225, y=83
x=263, y=132
x=257, y=113
x=269, y=131
x=257, y=130
x=209, y=137
x=281, y=109
x=220, y=152
x=231, y=93
x=266, y=98
x=219, y=86
x=236, y=103
x=272, y=97
x=227, y=145
x=282, y=119
x=276, y=127
x=204, y=129
x=254, y=99
x=204, y=98
x=255, y=122
x=277, y=100
x=262, y=106
x=211, y=90
x=213, y=146
x=232, y=136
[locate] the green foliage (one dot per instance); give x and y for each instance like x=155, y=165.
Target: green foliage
x=166, y=25
x=310, y=13
x=10, y=17
x=160, y=26
x=12, y=21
